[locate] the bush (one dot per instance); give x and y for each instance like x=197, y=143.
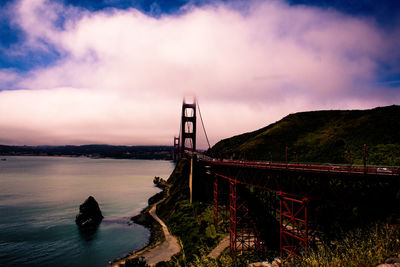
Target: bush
x=370, y=246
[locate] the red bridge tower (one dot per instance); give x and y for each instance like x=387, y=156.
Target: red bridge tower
x=188, y=127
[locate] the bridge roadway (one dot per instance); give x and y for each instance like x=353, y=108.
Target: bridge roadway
x=333, y=169
x=303, y=167
x=311, y=180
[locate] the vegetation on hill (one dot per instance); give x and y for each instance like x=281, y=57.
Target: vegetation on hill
x=369, y=246
x=322, y=136
x=191, y=223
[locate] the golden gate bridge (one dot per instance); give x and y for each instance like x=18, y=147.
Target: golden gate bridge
x=295, y=187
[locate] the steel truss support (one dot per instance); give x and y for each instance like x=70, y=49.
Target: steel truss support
x=216, y=202
x=293, y=226
x=247, y=234
x=243, y=232
x=221, y=209
x=232, y=218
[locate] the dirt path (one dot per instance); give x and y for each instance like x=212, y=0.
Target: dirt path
x=161, y=252
x=167, y=249
x=218, y=249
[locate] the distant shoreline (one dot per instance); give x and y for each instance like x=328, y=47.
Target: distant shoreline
x=4, y=157
x=91, y=151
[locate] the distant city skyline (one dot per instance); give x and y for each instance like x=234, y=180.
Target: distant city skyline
x=115, y=71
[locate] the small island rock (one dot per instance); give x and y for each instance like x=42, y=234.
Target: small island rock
x=89, y=214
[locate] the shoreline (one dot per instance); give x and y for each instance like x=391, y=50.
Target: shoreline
x=145, y=219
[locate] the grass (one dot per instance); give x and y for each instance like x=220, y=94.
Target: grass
x=368, y=246
x=191, y=223
x=322, y=136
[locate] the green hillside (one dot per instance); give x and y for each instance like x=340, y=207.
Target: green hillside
x=322, y=137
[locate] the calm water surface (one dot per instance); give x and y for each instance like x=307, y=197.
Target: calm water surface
x=40, y=197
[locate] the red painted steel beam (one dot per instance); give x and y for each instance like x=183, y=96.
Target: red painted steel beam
x=233, y=218
x=216, y=202
x=291, y=210
x=250, y=184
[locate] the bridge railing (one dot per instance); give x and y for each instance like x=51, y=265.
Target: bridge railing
x=304, y=167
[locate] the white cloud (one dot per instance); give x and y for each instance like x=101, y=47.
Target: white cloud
x=123, y=74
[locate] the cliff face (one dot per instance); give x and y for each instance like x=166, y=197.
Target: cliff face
x=322, y=136
x=192, y=223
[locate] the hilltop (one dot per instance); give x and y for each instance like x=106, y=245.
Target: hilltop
x=322, y=136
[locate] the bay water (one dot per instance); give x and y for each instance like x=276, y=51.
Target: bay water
x=40, y=197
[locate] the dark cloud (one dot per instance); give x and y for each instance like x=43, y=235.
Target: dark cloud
x=147, y=6
x=386, y=12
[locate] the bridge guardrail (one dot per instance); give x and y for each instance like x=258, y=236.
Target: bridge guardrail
x=338, y=169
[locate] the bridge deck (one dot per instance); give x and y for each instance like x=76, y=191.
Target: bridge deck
x=310, y=168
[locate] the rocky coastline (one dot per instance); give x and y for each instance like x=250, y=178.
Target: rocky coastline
x=145, y=219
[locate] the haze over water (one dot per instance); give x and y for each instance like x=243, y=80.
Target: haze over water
x=40, y=197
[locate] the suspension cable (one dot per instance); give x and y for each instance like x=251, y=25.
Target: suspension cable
x=202, y=123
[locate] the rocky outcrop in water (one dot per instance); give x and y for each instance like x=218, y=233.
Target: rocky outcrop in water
x=160, y=182
x=89, y=215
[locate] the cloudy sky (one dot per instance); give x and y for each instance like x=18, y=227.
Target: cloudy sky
x=116, y=71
